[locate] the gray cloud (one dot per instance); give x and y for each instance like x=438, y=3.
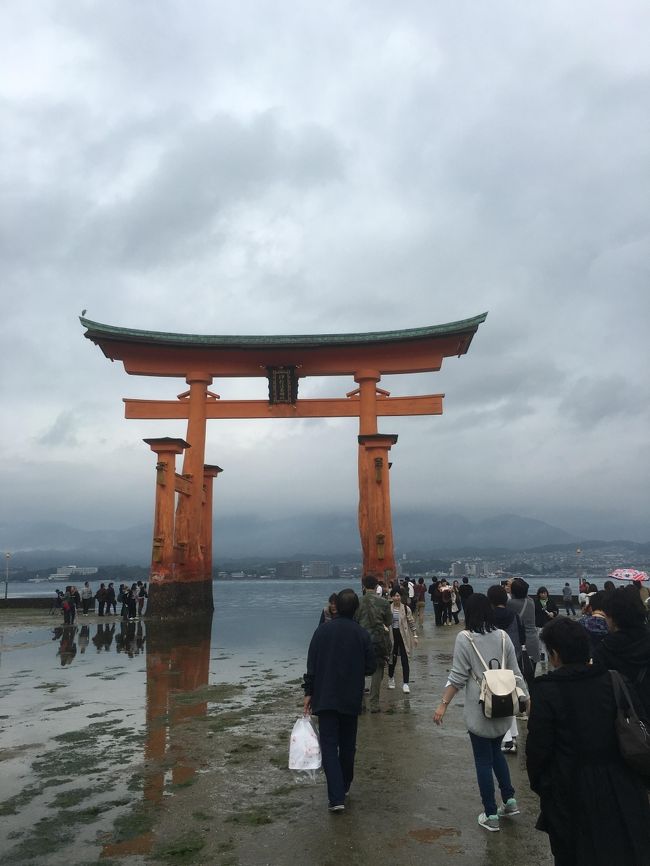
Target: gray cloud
x=217, y=169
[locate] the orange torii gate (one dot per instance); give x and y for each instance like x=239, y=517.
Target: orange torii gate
x=181, y=566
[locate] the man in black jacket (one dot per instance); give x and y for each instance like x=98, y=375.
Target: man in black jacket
x=340, y=657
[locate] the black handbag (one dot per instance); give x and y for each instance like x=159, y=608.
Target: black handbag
x=631, y=731
x=527, y=667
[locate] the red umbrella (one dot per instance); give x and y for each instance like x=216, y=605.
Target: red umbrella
x=629, y=574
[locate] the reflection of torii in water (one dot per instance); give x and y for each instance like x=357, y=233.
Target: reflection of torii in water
x=178, y=662
x=181, y=569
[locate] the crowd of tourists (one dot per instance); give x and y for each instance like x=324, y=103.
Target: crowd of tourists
x=131, y=599
x=569, y=677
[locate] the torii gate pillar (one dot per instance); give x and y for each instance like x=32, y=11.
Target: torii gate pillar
x=209, y=474
x=172, y=589
x=375, y=521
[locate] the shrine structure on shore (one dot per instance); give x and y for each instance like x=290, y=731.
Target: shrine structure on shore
x=181, y=562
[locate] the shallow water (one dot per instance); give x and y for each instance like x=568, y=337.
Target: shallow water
x=92, y=716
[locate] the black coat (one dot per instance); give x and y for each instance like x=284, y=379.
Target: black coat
x=541, y=618
x=593, y=807
x=628, y=651
x=340, y=656
x=512, y=625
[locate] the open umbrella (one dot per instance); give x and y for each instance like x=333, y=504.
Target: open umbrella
x=629, y=574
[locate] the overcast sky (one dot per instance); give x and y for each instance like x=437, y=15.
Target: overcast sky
x=269, y=168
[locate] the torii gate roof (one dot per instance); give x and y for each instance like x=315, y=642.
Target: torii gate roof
x=154, y=353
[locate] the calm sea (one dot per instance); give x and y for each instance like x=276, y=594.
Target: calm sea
x=295, y=595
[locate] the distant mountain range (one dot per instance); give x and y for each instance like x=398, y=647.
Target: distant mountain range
x=326, y=536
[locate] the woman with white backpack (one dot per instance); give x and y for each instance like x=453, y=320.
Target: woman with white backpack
x=485, y=665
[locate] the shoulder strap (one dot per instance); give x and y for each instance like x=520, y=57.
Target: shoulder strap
x=503, y=650
x=622, y=695
x=471, y=640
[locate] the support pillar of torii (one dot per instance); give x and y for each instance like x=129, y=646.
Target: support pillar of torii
x=184, y=584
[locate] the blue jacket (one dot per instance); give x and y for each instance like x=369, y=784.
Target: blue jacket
x=340, y=657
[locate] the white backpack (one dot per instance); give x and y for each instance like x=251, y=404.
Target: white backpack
x=500, y=694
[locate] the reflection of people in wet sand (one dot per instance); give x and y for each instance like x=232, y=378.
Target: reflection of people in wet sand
x=84, y=638
x=104, y=636
x=128, y=641
x=67, y=647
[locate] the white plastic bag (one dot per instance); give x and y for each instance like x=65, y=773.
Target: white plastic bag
x=304, y=748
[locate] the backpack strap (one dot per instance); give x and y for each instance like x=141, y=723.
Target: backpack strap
x=471, y=640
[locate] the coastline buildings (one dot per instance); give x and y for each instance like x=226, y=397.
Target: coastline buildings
x=289, y=570
x=66, y=571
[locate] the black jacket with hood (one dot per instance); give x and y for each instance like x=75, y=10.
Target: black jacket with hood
x=627, y=651
x=593, y=807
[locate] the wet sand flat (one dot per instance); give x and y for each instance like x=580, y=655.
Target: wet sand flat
x=153, y=755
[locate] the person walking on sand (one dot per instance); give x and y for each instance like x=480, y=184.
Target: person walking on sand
x=446, y=599
x=69, y=608
x=593, y=806
x=509, y=622
x=567, y=600
x=86, y=598
x=111, y=601
x=404, y=638
x=374, y=615
x=132, y=601
x=340, y=656
x=100, y=595
x=329, y=612
x=464, y=591
x=521, y=604
x=482, y=636
x=142, y=597
x=420, y=600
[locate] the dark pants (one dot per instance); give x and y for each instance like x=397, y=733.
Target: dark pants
x=446, y=612
x=569, y=608
x=488, y=759
x=437, y=612
x=101, y=605
x=85, y=604
x=399, y=649
x=338, y=743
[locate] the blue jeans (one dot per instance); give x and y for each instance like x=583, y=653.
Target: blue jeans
x=338, y=743
x=489, y=759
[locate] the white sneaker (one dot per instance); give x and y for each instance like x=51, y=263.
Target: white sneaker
x=490, y=822
x=391, y=682
x=405, y=688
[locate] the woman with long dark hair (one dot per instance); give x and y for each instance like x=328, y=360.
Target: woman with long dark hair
x=593, y=807
x=403, y=638
x=482, y=636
